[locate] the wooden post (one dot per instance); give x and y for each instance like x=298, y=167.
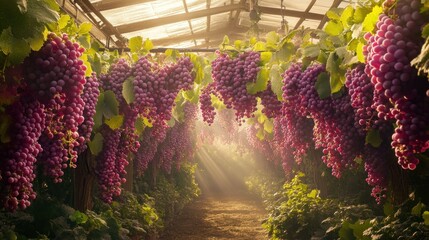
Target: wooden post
x=83, y=181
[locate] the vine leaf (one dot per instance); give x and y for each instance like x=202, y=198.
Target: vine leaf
x=147, y=45
x=417, y=209
x=334, y=28
x=110, y=105
x=128, y=90
x=96, y=144
x=276, y=81
x=371, y=19
x=139, y=126
x=261, y=82
x=63, y=21
x=115, y=122
x=268, y=126
x=373, y=137
x=323, y=86
x=84, y=28
x=425, y=217
x=135, y=44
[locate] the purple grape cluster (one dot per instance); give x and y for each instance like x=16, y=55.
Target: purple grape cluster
x=89, y=96
x=231, y=76
x=207, y=110
x=109, y=176
x=17, y=167
x=115, y=78
x=156, y=88
x=56, y=76
x=146, y=152
x=399, y=94
x=272, y=106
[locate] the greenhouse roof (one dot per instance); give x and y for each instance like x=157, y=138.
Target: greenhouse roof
x=195, y=23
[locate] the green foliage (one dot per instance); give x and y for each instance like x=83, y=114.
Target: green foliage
x=96, y=144
x=23, y=26
x=298, y=212
x=373, y=138
x=421, y=62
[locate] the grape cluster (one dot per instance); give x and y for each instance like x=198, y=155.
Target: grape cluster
x=146, y=152
x=156, y=88
x=272, y=106
x=19, y=157
x=399, y=94
x=231, y=77
x=56, y=77
x=89, y=96
x=115, y=78
x=207, y=110
x=109, y=178
x=361, y=90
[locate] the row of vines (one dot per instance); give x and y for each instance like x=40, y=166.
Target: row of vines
x=357, y=92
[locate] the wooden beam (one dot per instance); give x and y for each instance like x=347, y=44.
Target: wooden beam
x=189, y=21
x=112, y=4
x=335, y=4
x=208, y=2
x=237, y=13
x=290, y=13
x=301, y=20
x=199, y=35
x=131, y=27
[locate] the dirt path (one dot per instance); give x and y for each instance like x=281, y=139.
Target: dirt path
x=219, y=217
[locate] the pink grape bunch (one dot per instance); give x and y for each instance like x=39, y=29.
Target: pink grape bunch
x=399, y=93
x=207, y=110
x=231, y=76
x=90, y=97
x=156, y=88
x=56, y=77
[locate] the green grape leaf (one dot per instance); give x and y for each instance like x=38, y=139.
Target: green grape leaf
x=388, y=209
x=334, y=28
x=425, y=217
x=84, y=28
x=421, y=62
x=346, y=15
x=373, y=137
x=259, y=47
x=6, y=39
x=261, y=82
x=313, y=194
x=417, y=209
x=171, y=122
x=265, y=58
x=425, y=31
x=78, y=217
x=337, y=75
x=115, y=122
x=333, y=14
x=147, y=45
x=268, y=126
x=238, y=44
x=128, y=90
x=135, y=44
x=371, y=19
x=311, y=51
x=110, y=104
x=286, y=52
x=199, y=73
x=359, y=52
x=42, y=11
x=323, y=86
x=139, y=126
x=36, y=42
x=96, y=144
x=20, y=50
x=85, y=41
x=276, y=81
x=225, y=40
x=360, y=14
x=63, y=21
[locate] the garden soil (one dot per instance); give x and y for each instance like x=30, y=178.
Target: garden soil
x=219, y=217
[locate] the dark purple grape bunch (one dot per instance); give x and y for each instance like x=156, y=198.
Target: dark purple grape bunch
x=17, y=167
x=272, y=106
x=207, y=110
x=115, y=78
x=231, y=76
x=90, y=97
x=55, y=69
